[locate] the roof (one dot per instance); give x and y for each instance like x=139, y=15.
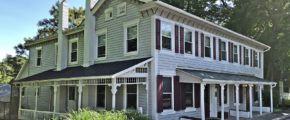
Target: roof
x=102, y=69
x=217, y=76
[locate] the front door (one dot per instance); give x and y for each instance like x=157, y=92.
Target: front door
x=213, y=100
x=72, y=98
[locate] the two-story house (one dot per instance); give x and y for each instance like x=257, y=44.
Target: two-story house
x=147, y=56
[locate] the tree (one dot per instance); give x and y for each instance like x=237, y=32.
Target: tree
x=10, y=67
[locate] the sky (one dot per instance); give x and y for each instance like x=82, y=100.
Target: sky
x=18, y=19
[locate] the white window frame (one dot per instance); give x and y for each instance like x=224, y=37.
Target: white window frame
x=124, y=4
x=38, y=49
x=108, y=11
x=101, y=108
x=192, y=108
x=248, y=54
x=163, y=21
x=126, y=95
x=70, y=51
x=234, y=44
x=169, y=111
x=127, y=25
x=211, y=45
x=192, y=41
x=102, y=32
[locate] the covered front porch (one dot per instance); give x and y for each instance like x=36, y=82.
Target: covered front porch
x=224, y=95
x=124, y=90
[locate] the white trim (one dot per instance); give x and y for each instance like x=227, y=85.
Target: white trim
x=36, y=56
x=70, y=50
x=107, y=11
x=103, y=31
x=170, y=111
x=124, y=4
x=21, y=70
x=132, y=68
x=126, y=25
x=171, y=23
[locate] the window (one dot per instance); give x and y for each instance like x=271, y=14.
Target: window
x=71, y=94
x=121, y=9
x=246, y=55
x=256, y=60
x=223, y=51
x=73, y=49
x=132, y=96
x=132, y=39
x=108, y=14
x=235, y=54
x=102, y=39
x=23, y=92
x=38, y=56
x=188, y=41
x=188, y=95
x=101, y=95
x=166, y=30
x=207, y=47
x=167, y=93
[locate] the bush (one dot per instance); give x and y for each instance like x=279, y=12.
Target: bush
x=86, y=114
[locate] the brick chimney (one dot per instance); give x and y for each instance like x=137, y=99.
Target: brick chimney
x=89, y=34
x=62, y=42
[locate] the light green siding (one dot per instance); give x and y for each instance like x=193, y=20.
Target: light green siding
x=80, y=37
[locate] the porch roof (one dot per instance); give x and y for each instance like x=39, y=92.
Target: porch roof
x=220, y=77
x=102, y=69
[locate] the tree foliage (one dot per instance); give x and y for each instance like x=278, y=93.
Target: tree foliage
x=10, y=67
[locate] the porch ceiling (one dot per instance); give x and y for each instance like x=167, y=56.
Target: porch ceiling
x=103, y=69
x=216, y=77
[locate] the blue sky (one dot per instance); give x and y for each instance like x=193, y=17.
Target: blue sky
x=19, y=19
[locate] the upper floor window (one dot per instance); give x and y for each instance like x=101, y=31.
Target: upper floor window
x=235, y=54
x=38, y=56
x=188, y=41
x=167, y=93
x=166, y=38
x=121, y=9
x=73, y=51
x=131, y=37
x=223, y=51
x=188, y=94
x=207, y=47
x=256, y=60
x=108, y=14
x=246, y=56
x=102, y=45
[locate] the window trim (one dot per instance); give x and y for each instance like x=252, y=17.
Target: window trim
x=107, y=11
x=248, y=56
x=236, y=62
x=102, y=32
x=192, y=41
x=36, y=58
x=172, y=36
x=101, y=108
x=126, y=96
x=126, y=25
x=124, y=4
x=70, y=51
x=168, y=111
x=211, y=45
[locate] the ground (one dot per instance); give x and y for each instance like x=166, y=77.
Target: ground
x=279, y=115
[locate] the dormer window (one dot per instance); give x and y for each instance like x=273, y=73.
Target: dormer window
x=207, y=47
x=38, y=56
x=166, y=38
x=73, y=51
x=121, y=9
x=108, y=14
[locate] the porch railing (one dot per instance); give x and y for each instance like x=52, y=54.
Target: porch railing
x=27, y=114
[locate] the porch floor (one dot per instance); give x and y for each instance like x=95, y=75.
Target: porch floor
x=256, y=116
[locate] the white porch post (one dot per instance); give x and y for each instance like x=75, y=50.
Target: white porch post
x=202, y=86
x=251, y=100
x=125, y=97
x=237, y=102
x=271, y=97
x=80, y=90
x=35, y=105
x=20, y=100
x=260, y=99
x=114, y=91
x=54, y=98
x=222, y=101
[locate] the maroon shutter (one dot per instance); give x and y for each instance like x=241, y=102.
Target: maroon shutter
x=197, y=95
x=182, y=96
x=241, y=94
x=214, y=48
x=260, y=60
x=176, y=39
x=158, y=33
x=159, y=94
x=244, y=56
x=229, y=53
x=220, y=49
x=181, y=40
x=202, y=44
x=232, y=52
x=196, y=43
x=220, y=95
x=251, y=58
x=240, y=54
x=177, y=102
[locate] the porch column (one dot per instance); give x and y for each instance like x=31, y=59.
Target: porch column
x=54, y=98
x=237, y=102
x=114, y=91
x=222, y=101
x=20, y=100
x=271, y=97
x=202, y=86
x=80, y=91
x=35, y=105
x=251, y=99
x=260, y=99
x=125, y=97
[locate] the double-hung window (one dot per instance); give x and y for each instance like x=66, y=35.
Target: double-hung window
x=188, y=95
x=223, y=51
x=207, y=47
x=246, y=56
x=131, y=37
x=235, y=52
x=101, y=95
x=166, y=36
x=167, y=93
x=38, y=56
x=256, y=60
x=73, y=49
x=188, y=41
x=131, y=96
x=102, y=40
